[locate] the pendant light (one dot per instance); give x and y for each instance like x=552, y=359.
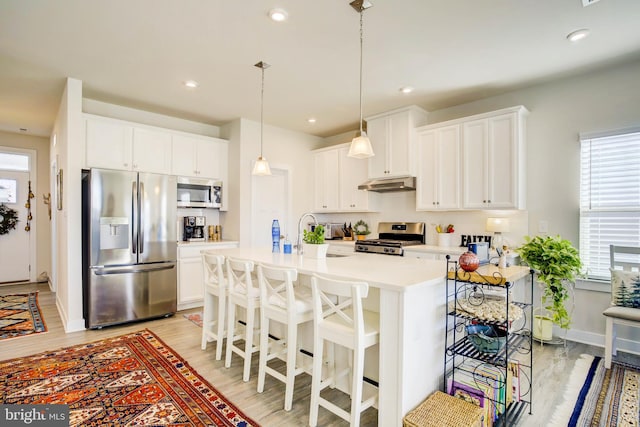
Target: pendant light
x=261, y=167
x=360, y=145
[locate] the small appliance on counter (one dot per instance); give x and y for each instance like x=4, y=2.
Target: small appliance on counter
x=332, y=230
x=194, y=229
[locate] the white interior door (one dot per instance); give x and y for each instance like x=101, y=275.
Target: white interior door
x=271, y=200
x=15, y=246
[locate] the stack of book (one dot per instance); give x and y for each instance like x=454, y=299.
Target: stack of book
x=486, y=386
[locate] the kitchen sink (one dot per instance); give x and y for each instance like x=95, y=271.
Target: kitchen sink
x=337, y=255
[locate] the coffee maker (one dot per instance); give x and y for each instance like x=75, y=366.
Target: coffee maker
x=194, y=229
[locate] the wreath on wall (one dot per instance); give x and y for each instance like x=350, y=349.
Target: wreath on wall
x=361, y=228
x=8, y=219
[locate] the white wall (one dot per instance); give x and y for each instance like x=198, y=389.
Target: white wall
x=69, y=151
x=282, y=148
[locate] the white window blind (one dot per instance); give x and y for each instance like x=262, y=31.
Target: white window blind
x=609, y=198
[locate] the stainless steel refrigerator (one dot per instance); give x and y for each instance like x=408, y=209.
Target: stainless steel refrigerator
x=129, y=246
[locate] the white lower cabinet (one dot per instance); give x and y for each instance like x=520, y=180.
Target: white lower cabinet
x=191, y=272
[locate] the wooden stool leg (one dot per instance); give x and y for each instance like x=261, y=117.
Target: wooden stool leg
x=356, y=386
x=221, y=321
x=264, y=352
x=292, y=329
x=248, y=343
x=316, y=378
x=230, y=332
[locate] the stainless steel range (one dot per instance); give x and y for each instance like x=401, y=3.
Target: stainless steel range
x=392, y=237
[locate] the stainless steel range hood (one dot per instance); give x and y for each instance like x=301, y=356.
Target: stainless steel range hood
x=388, y=185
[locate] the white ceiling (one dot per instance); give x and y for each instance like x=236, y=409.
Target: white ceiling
x=137, y=53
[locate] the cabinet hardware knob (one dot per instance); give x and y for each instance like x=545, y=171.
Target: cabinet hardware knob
x=433, y=203
x=484, y=201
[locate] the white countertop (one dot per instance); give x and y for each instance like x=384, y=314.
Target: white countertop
x=380, y=271
x=454, y=250
x=207, y=242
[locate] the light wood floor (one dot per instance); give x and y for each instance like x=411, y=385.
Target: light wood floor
x=552, y=365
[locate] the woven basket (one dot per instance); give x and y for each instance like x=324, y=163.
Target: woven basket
x=442, y=410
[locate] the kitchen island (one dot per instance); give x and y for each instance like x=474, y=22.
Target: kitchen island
x=409, y=294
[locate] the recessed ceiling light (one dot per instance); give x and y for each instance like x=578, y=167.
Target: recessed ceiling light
x=191, y=83
x=278, y=15
x=406, y=89
x=311, y=120
x=577, y=35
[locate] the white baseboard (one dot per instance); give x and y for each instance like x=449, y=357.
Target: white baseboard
x=598, y=340
x=75, y=326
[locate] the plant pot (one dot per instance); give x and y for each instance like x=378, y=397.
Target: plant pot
x=361, y=236
x=315, y=251
x=542, y=327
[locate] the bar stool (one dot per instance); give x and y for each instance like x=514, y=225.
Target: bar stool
x=345, y=323
x=215, y=301
x=242, y=293
x=280, y=302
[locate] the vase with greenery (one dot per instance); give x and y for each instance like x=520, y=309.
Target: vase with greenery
x=557, y=264
x=314, y=245
x=361, y=229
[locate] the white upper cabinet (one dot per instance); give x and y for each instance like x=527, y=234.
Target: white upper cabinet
x=151, y=151
x=336, y=181
x=438, y=177
x=199, y=156
x=493, y=161
x=115, y=144
x=109, y=144
x=326, y=185
x=392, y=139
x=353, y=172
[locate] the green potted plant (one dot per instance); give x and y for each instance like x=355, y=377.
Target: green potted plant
x=361, y=229
x=313, y=243
x=557, y=264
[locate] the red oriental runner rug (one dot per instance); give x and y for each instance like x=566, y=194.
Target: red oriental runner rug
x=133, y=379
x=20, y=316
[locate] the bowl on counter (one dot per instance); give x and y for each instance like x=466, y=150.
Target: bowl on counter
x=486, y=338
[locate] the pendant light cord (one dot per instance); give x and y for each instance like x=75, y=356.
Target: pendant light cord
x=261, y=110
x=361, y=41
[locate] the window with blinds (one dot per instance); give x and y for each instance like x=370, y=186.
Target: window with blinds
x=609, y=198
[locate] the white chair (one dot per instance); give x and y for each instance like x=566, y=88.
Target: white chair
x=628, y=259
x=242, y=293
x=215, y=301
x=339, y=318
x=291, y=306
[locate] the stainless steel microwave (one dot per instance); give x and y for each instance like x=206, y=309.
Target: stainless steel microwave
x=199, y=193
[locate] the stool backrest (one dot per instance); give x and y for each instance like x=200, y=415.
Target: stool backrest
x=213, y=265
x=239, y=275
x=625, y=257
x=276, y=287
x=339, y=300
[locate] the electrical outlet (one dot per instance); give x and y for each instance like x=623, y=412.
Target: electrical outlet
x=543, y=226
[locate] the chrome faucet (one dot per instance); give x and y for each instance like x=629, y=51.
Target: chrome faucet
x=299, y=241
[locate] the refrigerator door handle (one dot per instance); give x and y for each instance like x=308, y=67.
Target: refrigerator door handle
x=127, y=270
x=134, y=223
x=141, y=217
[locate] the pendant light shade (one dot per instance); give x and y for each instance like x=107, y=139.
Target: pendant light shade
x=361, y=145
x=261, y=167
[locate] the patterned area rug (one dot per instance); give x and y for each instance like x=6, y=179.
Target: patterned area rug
x=596, y=396
x=20, y=315
x=195, y=318
x=133, y=379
